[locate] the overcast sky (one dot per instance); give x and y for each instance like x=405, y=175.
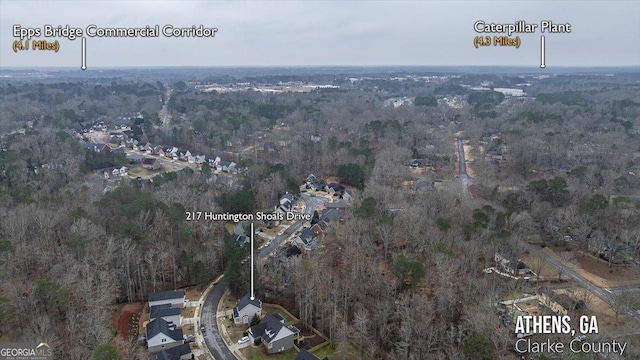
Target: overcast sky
x=272, y=33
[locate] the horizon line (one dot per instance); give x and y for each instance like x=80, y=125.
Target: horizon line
x=2, y=67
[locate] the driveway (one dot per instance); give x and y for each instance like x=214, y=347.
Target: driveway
x=604, y=294
x=311, y=203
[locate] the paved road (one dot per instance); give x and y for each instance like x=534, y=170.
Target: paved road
x=311, y=203
x=212, y=336
x=164, y=112
x=603, y=294
x=465, y=179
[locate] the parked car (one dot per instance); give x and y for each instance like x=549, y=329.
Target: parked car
x=243, y=340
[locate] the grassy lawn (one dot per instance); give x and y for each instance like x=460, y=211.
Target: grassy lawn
x=259, y=353
x=235, y=331
x=287, y=319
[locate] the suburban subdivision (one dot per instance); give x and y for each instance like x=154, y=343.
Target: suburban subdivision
x=340, y=215
x=319, y=180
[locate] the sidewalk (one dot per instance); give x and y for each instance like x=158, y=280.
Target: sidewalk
x=221, y=317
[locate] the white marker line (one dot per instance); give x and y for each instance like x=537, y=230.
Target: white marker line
x=252, y=295
x=542, y=64
x=84, y=54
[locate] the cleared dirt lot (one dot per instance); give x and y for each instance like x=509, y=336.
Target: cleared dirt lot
x=605, y=315
x=601, y=274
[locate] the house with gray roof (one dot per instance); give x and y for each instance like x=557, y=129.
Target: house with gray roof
x=273, y=334
x=175, y=298
x=180, y=352
x=166, y=312
x=245, y=309
x=285, y=203
x=162, y=335
x=306, y=355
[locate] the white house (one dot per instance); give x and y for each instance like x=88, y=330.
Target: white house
x=175, y=298
x=162, y=335
x=166, y=312
x=245, y=310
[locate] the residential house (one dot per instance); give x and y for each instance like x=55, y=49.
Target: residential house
x=135, y=158
x=270, y=220
x=510, y=264
x=238, y=229
x=162, y=335
x=175, y=298
x=166, y=312
x=285, y=203
x=330, y=215
x=560, y=303
x=606, y=249
x=145, y=147
x=273, y=334
x=228, y=166
x=246, y=309
x=340, y=204
x=150, y=164
x=305, y=240
x=170, y=151
x=306, y=355
x=242, y=240
x=319, y=185
x=184, y=155
x=100, y=147
x=317, y=231
x=335, y=188
x=97, y=147
x=213, y=161
x=158, y=150
x=180, y=352
x=199, y=159
x=313, y=177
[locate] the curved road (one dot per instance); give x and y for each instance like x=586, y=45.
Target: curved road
x=212, y=336
x=311, y=203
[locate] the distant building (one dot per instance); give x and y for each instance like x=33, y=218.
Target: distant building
x=510, y=264
x=150, y=164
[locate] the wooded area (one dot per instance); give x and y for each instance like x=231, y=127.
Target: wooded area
x=400, y=277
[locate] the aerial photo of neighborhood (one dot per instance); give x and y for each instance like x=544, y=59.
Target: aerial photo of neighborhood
x=319, y=180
